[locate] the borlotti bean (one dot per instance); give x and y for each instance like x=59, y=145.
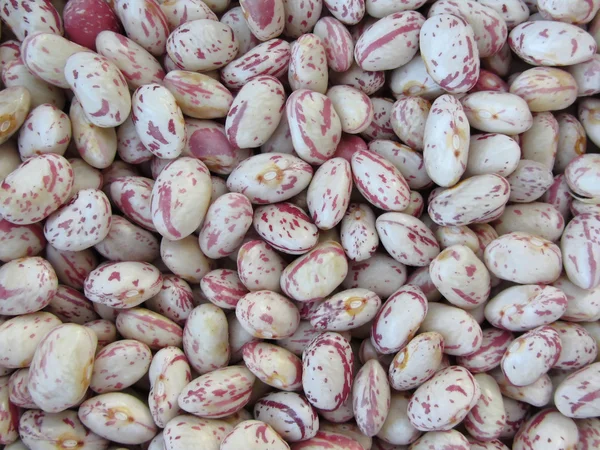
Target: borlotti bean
x=262, y=145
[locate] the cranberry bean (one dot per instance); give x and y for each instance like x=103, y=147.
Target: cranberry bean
x=97, y=146
x=206, y=339
x=572, y=141
x=455, y=71
x=28, y=285
x=270, y=178
x=128, y=242
x=460, y=277
x=413, y=80
x=35, y=189
x=557, y=87
x=273, y=365
x=582, y=305
x=371, y=397
x=547, y=425
x=45, y=130
x=574, y=396
x=63, y=360
x=100, y=88
x=559, y=195
x=308, y=64
x=516, y=414
x=21, y=335
x=345, y=310
x=122, y=418
x=462, y=334
x=85, y=19
x=14, y=106
x=497, y=112
x=39, y=429
x=266, y=21
x=541, y=349
x=144, y=23
x=18, y=386
x=266, y=314
x=337, y=41
x=537, y=394
x=26, y=18
x=19, y=241
x=588, y=113
x=123, y=284
x=417, y=361
x=522, y=308
x=422, y=279
x=489, y=355
x=298, y=279
x=9, y=432
x=187, y=431
x=582, y=173
x=359, y=236
x=198, y=95
x=408, y=161
x=218, y=393
x=289, y=414
x=179, y=12
x=119, y=365
x=579, y=238
x=253, y=434
x=381, y=127
x=409, y=117
x=16, y=73
x=578, y=347
x=487, y=418
x=185, y=259
x=169, y=374
x=541, y=219
x=450, y=235
x=137, y=65
x=259, y=266
x=492, y=153
x=223, y=288
x=327, y=386
x=235, y=19
x=543, y=43
x=540, y=260
x=379, y=273
x=460, y=392
x=70, y=305
x=295, y=233
x=407, y=306
x=441, y=439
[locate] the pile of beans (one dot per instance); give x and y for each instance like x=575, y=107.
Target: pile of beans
x=300, y=224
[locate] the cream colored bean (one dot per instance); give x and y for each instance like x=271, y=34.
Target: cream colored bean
x=40, y=430
x=536, y=394
x=169, y=373
x=358, y=233
x=152, y=329
x=46, y=130
x=545, y=88
x=62, y=361
x=16, y=73
x=582, y=304
x=497, y=112
x=21, y=336
x=522, y=308
x=547, y=425
x=308, y=64
x=409, y=117
x=413, y=80
x=185, y=259
x=206, y=339
x=380, y=273
x=537, y=218
x=253, y=435
x=408, y=161
x=266, y=314
x=186, y=432
x=458, y=340
x=487, y=418
x=461, y=277
x=273, y=365
x=122, y=418
x=15, y=103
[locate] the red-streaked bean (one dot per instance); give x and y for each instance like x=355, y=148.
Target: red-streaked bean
x=544, y=43
x=522, y=308
x=274, y=365
x=545, y=88
x=304, y=280
x=408, y=120
x=185, y=259
x=371, y=397
x=399, y=319
x=270, y=177
x=269, y=58
x=409, y=162
x=489, y=355
x=169, y=373
x=235, y=19
x=63, y=360
x=290, y=414
x=46, y=130
x=359, y=236
x=265, y=20
x=380, y=273
x=260, y=266
x=148, y=327
x=327, y=371
x=582, y=304
x=572, y=141
x=179, y=12
x=25, y=18
x=487, y=418
x=144, y=23
x=187, y=431
x=579, y=348
x=218, y=393
x=18, y=385
x=537, y=218
x=128, y=242
x=337, y=41
x=120, y=417
x=329, y=193
x=253, y=435
x=345, y=310
x=462, y=334
x=547, y=425
x=497, y=112
x=266, y=314
x=206, y=339
x=119, y=365
x=21, y=335
x=417, y=361
x=286, y=227
x=540, y=261
x=19, y=241
x=70, y=305
x=105, y=330
x=446, y=141
x=455, y=388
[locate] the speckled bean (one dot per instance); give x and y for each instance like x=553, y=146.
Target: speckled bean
x=259, y=266
x=544, y=43
x=266, y=314
x=545, y=88
x=25, y=18
x=337, y=41
x=70, y=305
x=359, y=236
x=169, y=373
x=579, y=348
x=380, y=273
x=128, y=242
x=462, y=334
x=100, y=87
x=120, y=417
x=144, y=23
x=456, y=70
x=308, y=64
x=574, y=397
x=63, y=360
x=547, y=425
x=206, y=339
x=497, y=112
x=572, y=141
x=146, y=326
x=198, y=95
x=487, y=418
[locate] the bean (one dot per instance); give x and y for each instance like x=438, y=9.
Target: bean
x=379, y=273
x=206, y=339
x=128, y=242
x=186, y=431
x=266, y=314
x=547, y=424
x=536, y=394
x=148, y=327
x=371, y=397
x=185, y=259
x=62, y=360
x=218, y=393
x=122, y=418
x=18, y=387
